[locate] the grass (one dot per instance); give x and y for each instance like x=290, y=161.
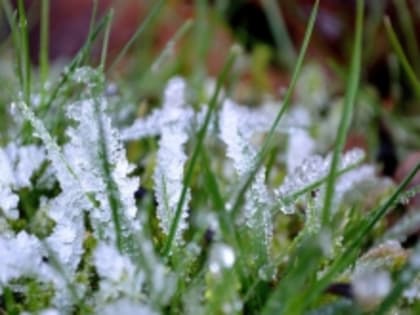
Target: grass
x=224, y=264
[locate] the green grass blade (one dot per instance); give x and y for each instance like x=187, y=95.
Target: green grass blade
x=76, y=62
x=44, y=46
x=347, y=114
x=405, y=277
x=411, y=74
x=142, y=27
x=197, y=149
x=284, y=45
x=111, y=187
x=286, y=102
x=228, y=229
x=108, y=23
x=350, y=253
x=408, y=28
x=23, y=53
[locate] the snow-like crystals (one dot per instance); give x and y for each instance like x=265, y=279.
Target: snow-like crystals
x=236, y=129
x=17, y=165
x=119, y=276
x=126, y=307
x=314, y=169
x=370, y=288
x=173, y=123
x=20, y=255
x=21, y=162
x=221, y=257
x=169, y=171
x=86, y=158
x=8, y=202
x=300, y=146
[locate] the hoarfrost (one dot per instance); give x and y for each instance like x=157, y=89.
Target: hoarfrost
x=17, y=165
x=86, y=158
x=316, y=168
x=119, y=276
x=236, y=133
x=21, y=256
x=221, y=257
x=126, y=307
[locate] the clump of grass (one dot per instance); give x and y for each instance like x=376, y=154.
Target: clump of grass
x=211, y=218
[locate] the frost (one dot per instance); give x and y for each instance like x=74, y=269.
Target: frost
x=8, y=202
x=316, y=168
x=173, y=111
x=172, y=122
x=236, y=132
x=221, y=257
x=119, y=276
x=87, y=158
x=371, y=288
x=169, y=171
x=300, y=147
x=21, y=256
x=126, y=307
x=17, y=165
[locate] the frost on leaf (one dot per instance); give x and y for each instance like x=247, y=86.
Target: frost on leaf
x=21, y=256
x=86, y=157
x=118, y=275
x=173, y=122
x=80, y=172
x=314, y=169
x=126, y=307
x=17, y=165
x=171, y=157
x=236, y=132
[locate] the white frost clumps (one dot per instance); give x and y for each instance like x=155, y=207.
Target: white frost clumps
x=236, y=132
x=169, y=171
x=119, y=276
x=91, y=142
x=126, y=307
x=8, y=202
x=173, y=122
x=17, y=165
x=79, y=168
x=315, y=168
x=21, y=256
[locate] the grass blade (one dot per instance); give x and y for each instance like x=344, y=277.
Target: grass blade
x=347, y=257
x=142, y=27
x=411, y=75
x=287, y=99
x=285, y=49
x=197, y=149
x=347, y=114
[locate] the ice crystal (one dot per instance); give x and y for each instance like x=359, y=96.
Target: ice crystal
x=169, y=171
x=172, y=122
x=17, y=165
x=316, y=168
x=119, y=276
x=8, y=202
x=221, y=257
x=21, y=256
x=236, y=132
x=21, y=162
x=86, y=158
x=300, y=146
x=126, y=307
x=79, y=170
x=371, y=288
